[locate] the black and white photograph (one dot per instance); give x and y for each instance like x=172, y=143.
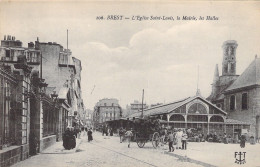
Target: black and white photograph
x=119, y=83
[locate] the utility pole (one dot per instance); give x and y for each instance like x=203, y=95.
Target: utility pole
x=142, y=105
x=41, y=66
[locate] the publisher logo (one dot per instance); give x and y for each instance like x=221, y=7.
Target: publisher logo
x=240, y=157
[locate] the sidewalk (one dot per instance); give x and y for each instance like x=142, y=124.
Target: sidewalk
x=58, y=148
x=207, y=154
x=218, y=154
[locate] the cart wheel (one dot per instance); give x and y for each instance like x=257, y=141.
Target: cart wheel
x=156, y=139
x=140, y=143
x=165, y=140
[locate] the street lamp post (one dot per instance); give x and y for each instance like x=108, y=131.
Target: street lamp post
x=142, y=105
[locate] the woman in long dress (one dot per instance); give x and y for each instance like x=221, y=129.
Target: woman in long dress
x=90, y=137
x=179, y=137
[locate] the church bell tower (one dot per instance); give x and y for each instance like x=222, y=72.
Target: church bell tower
x=229, y=58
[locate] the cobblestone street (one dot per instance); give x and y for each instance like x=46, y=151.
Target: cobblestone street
x=103, y=151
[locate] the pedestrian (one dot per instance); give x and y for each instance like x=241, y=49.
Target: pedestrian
x=111, y=131
x=90, y=137
x=82, y=131
x=225, y=139
x=128, y=135
x=78, y=132
x=179, y=137
x=171, y=138
x=121, y=133
x=184, y=140
x=72, y=138
x=66, y=139
x=75, y=131
x=108, y=131
x=242, y=141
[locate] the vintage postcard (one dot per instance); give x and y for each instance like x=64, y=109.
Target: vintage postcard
x=129, y=83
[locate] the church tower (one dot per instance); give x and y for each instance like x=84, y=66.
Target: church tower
x=229, y=58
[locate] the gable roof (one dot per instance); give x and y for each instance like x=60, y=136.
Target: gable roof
x=250, y=77
x=167, y=108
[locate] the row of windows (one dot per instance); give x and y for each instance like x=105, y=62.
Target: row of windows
x=111, y=115
x=105, y=104
x=30, y=56
x=244, y=102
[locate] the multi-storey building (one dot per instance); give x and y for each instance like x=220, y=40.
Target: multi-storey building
x=135, y=107
x=62, y=72
x=34, y=114
x=106, y=110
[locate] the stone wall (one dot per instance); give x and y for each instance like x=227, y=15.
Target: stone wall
x=10, y=156
x=47, y=142
x=248, y=115
x=24, y=152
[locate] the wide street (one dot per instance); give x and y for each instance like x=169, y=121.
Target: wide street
x=103, y=151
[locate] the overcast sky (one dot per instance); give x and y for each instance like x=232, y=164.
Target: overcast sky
x=120, y=58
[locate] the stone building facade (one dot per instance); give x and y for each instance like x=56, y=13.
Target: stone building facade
x=106, y=110
x=33, y=115
x=238, y=95
x=62, y=72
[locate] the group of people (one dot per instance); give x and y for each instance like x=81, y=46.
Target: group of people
x=180, y=139
x=107, y=130
x=70, y=135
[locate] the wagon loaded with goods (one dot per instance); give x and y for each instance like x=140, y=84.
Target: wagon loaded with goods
x=147, y=130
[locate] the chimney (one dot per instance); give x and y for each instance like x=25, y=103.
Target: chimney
x=5, y=37
x=31, y=45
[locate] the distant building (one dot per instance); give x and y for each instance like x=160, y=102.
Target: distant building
x=87, y=117
x=157, y=104
x=106, y=110
x=135, y=107
x=238, y=95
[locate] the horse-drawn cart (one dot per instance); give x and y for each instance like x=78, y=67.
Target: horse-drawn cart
x=147, y=130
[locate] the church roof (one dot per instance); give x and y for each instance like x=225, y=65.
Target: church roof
x=250, y=77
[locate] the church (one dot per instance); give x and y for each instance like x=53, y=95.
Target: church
x=238, y=95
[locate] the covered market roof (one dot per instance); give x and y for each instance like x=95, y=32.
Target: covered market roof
x=167, y=108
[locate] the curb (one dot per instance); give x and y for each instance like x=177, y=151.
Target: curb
x=187, y=159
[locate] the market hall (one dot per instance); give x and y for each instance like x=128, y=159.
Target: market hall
x=195, y=113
